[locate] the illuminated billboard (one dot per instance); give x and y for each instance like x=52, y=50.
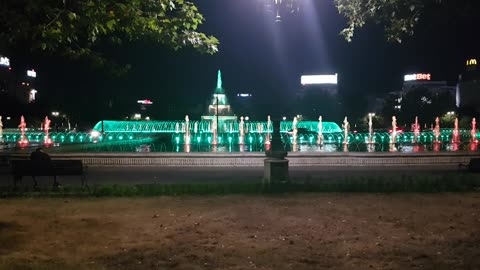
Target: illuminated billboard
x=472, y=62
x=31, y=73
x=145, y=102
x=4, y=61
x=319, y=79
x=418, y=77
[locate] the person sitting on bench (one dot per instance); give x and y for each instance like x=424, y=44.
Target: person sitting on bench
x=41, y=162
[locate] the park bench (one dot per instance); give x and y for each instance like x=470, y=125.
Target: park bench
x=21, y=167
x=472, y=166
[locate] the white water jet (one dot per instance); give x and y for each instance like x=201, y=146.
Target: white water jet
x=187, y=130
x=393, y=137
x=1, y=130
x=320, y=131
x=241, y=131
x=295, y=130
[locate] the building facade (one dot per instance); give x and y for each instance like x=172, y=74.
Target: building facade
x=468, y=89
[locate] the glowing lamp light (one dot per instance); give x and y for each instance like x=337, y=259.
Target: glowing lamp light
x=244, y=95
x=4, y=61
x=319, y=79
x=48, y=142
x=23, y=143
x=418, y=77
x=95, y=134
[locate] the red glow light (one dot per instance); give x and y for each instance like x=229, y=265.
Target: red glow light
x=23, y=143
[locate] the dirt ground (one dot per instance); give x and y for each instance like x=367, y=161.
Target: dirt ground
x=314, y=231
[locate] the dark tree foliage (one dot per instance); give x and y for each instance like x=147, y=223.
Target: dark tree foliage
x=75, y=27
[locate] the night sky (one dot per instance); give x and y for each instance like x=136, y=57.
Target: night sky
x=260, y=57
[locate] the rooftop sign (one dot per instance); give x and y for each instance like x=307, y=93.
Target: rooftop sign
x=472, y=62
x=31, y=73
x=4, y=61
x=418, y=77
x=145, y=102
x=319, y=79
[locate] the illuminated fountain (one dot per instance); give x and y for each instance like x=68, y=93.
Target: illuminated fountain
x=47, y=141
x=436, y=132
x=219, y=107
x=393, y=137
x=346, y=131
x=455, y=136
x=23, y=139
x=370, y=141
x=473, y=133
x=221, y=130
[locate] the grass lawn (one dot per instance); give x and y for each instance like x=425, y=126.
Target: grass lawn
x=301, y=231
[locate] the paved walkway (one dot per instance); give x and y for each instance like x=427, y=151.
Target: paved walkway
x=151, y=175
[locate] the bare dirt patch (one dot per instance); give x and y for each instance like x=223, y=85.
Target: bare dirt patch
x=320, y=231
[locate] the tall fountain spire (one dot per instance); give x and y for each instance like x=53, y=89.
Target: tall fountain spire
x=219, y=79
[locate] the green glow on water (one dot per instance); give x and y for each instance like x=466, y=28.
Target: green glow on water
x=159, y=127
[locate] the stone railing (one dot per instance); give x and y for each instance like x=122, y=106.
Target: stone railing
x=256, y=159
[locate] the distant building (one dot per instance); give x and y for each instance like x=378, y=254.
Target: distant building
x=318, y=96
x=243, y=104
x=422, y=81
x=425, y=81
x=468, y=88
x=17, y=86
x=323, y=84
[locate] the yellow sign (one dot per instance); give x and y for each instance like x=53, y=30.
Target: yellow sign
x=472, y=62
